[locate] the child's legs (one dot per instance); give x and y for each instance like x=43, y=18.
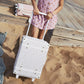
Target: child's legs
x=41, y=33
x=35, y=31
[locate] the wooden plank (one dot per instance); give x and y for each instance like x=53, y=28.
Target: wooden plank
x=69, y=33
x=74, y=16
x=62, y=41
x=11, y=19
x=9, y=3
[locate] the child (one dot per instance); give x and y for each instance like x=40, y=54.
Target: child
x=51, y=8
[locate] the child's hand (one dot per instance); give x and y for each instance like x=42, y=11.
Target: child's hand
x=49, y=16
x=36, y=11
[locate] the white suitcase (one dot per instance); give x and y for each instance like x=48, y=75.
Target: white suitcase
x=31, y=56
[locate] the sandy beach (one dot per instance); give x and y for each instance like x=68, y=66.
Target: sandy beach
x=64, y=65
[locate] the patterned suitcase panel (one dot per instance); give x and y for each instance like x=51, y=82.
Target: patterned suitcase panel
x=23, y=9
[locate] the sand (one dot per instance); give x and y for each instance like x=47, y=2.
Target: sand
x=65, y=65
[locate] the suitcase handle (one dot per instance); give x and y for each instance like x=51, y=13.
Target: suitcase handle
x=30, y=24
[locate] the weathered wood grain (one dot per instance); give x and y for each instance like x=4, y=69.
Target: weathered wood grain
x=11, y=19
x=69, y=33
x=70, y=28
x=9, y=3
x=63, y=41
x=71, y=16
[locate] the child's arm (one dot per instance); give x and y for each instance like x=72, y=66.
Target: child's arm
x=59, y=8
x=49, y=15
x=36, y=10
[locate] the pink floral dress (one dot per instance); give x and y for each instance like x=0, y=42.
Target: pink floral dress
x=45, y=6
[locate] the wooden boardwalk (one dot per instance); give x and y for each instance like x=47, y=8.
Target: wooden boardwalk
x=70, y=28
x=68, y=32
x=71, y=16
x=63, y=36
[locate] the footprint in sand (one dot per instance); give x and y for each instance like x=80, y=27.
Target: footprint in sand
x=69, y=82
x=54, y=76
x=65, y=55
x=77, y=58
x=75, y=77
x=52, y=65
x=68, y=69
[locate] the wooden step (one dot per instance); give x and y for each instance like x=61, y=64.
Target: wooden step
x=63, y=41
x=63, y=36
x=11, y=19
x=69, y=33
x=9, y=3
